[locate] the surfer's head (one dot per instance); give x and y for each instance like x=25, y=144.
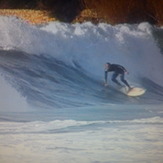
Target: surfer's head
x=107, y=65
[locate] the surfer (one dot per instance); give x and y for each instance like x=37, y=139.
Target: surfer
x=118, y=71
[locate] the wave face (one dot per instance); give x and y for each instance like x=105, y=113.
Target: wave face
x=60, y=65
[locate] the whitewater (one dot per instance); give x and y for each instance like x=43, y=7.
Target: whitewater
x=54, y=106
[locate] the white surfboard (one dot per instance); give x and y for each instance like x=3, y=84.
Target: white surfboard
x=135, y=91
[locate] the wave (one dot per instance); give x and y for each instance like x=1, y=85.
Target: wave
x=58, y=126
x=60, y=65
x=88, y=45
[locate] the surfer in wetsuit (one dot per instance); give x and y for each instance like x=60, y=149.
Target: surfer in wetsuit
x=118, y=71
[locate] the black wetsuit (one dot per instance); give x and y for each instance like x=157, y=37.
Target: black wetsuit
x=118, y=70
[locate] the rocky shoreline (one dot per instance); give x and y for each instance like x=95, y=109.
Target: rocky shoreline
x=34, y=16
x=95, y=11
x=30, y=16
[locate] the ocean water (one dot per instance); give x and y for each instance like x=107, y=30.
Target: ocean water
x=53, y=105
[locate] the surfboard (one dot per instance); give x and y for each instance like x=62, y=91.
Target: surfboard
x=135, y=91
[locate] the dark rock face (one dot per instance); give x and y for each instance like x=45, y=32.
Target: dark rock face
x=128, y=11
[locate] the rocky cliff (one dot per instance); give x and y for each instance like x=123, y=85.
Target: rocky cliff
x=110, y=11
